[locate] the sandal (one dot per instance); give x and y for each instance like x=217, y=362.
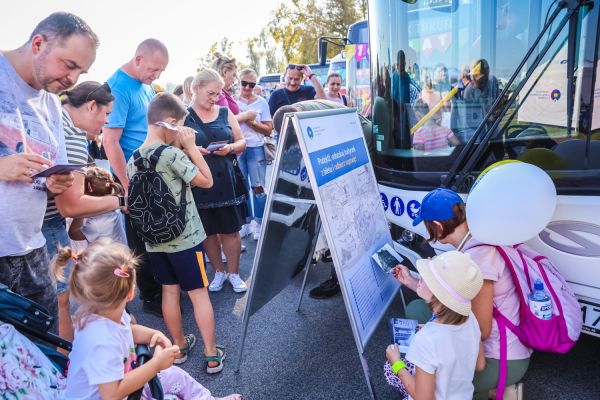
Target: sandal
x=218, y=359
x=190, y=339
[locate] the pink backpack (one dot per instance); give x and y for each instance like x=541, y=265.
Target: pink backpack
x=558, y=334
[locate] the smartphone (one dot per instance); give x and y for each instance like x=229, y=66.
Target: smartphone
x=216, y=145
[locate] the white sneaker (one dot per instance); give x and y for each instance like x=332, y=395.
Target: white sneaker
x=245, y=231
x=256, y=233
x=238, y=284
x=253, y=226
x=218, y=281
x=243, y=249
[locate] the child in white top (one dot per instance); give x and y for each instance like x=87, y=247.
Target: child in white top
x=447, y=350
x=102, y=360
x=100, y=182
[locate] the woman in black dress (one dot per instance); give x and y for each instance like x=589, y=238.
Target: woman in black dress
x=222, y=208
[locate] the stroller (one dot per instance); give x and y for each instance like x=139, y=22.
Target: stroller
x=36, y=370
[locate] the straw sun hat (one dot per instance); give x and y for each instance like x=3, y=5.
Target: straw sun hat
x=453, y=278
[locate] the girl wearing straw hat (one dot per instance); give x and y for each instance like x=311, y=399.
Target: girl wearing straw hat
x=446, y=351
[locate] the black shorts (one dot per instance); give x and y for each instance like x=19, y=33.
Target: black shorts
x=184, y=268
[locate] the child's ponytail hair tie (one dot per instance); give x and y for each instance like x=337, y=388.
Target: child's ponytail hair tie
x=121, y=272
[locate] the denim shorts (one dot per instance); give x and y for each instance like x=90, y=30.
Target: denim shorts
x=55, y=232
x=29, y=276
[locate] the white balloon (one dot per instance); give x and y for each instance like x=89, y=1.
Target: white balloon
x=511, y=204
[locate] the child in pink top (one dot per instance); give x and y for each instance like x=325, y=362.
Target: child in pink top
x=432, y=135
x=443, y=213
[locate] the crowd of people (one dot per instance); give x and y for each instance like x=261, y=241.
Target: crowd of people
x=204, y=145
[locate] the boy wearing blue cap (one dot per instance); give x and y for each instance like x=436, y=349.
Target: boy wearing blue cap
x=444, y=214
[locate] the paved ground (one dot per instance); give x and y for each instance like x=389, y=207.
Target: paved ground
x=311, y=354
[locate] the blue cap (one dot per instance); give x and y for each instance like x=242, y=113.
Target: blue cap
x=437, y=205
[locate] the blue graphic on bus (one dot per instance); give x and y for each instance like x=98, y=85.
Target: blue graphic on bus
x=397, y=206
x=412, y=208
x=384, y=201
x=303, y=174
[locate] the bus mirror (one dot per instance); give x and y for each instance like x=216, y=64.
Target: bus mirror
x=322, y=51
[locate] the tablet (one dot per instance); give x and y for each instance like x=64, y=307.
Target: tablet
x=60, y=169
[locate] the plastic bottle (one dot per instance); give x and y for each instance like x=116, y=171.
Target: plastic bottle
x=539, y=303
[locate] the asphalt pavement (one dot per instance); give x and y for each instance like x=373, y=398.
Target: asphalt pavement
x=311, y=354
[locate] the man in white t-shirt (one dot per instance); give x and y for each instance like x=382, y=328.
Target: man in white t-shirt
x=61, y=47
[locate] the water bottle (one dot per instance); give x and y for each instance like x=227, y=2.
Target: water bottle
x=539, y=303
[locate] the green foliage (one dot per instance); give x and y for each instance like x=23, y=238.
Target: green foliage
x=297, y=25
x=225, y=47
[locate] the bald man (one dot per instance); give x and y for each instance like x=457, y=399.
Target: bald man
x=126, y=130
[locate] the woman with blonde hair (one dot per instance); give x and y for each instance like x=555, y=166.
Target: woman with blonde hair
x=222, y=207
x=187, y=90
x=252, y=161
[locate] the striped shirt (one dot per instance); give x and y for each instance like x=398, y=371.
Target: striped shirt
x=432, y=137
x=77, y=153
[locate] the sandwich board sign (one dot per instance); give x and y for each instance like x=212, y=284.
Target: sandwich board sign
x=326, y=151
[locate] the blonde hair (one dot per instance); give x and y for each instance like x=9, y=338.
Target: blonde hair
x=206, y=76
x=187, y=90
x=444, y=314
x=96, y=179
x=103, y=276
x=223, y=63
x=248, y=71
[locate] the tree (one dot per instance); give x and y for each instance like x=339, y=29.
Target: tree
x=296, y=26
x=225, y=47
x=262, y=51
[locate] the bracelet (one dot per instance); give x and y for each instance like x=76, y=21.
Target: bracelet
x=310, y=76
x=397, y=366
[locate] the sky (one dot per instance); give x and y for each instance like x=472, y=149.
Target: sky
x=187, y=27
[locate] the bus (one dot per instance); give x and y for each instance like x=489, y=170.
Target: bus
x=535, y=64
x=270, y=83
x=319, y=70
x=352, y=64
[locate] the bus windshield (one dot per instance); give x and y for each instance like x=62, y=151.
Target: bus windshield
x=439, y=70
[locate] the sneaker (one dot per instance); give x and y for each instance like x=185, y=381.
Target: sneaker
x=245, y=231
x=256, y=233
x=190, y=340
x=243, y=247
x=238, y=284
x=513, y=392
x=253, y=226
x=327, y=289
x=218, y=281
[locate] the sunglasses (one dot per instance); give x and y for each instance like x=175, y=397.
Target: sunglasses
x=104, y=86
x=295, y=66
x=246, y=83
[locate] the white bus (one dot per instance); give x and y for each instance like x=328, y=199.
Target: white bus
x=543, y=63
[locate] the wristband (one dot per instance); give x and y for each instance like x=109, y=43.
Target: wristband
x=397, y=366
x=122, y=201
x=310, y=76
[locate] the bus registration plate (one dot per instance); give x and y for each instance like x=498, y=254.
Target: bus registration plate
x=591, y=317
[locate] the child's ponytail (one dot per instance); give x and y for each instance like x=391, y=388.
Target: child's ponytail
x=61, y=260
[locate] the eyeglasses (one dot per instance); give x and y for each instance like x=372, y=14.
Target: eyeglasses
x=246, y=83
x=104, y=86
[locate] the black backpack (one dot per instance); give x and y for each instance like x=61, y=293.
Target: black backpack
x=153, y=211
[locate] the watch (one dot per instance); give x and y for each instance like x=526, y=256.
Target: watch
x=122, y=201
x=310, y=76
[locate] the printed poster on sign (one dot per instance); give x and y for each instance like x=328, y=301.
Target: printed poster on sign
x=352, y=212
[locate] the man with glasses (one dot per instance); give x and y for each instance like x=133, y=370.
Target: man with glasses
x=61, y=47
x=125, y=132
x=293, y=90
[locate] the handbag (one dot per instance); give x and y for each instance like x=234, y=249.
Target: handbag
x=270, y=148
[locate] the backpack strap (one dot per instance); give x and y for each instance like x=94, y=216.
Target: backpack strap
x=138, y=160
x=502, y=321
x=154, y=157
x=345, y=100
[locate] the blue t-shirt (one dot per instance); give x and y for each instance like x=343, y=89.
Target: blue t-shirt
x=129, y=110
x=283, y=97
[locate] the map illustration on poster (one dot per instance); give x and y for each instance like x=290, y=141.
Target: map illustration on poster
x=351, y=212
